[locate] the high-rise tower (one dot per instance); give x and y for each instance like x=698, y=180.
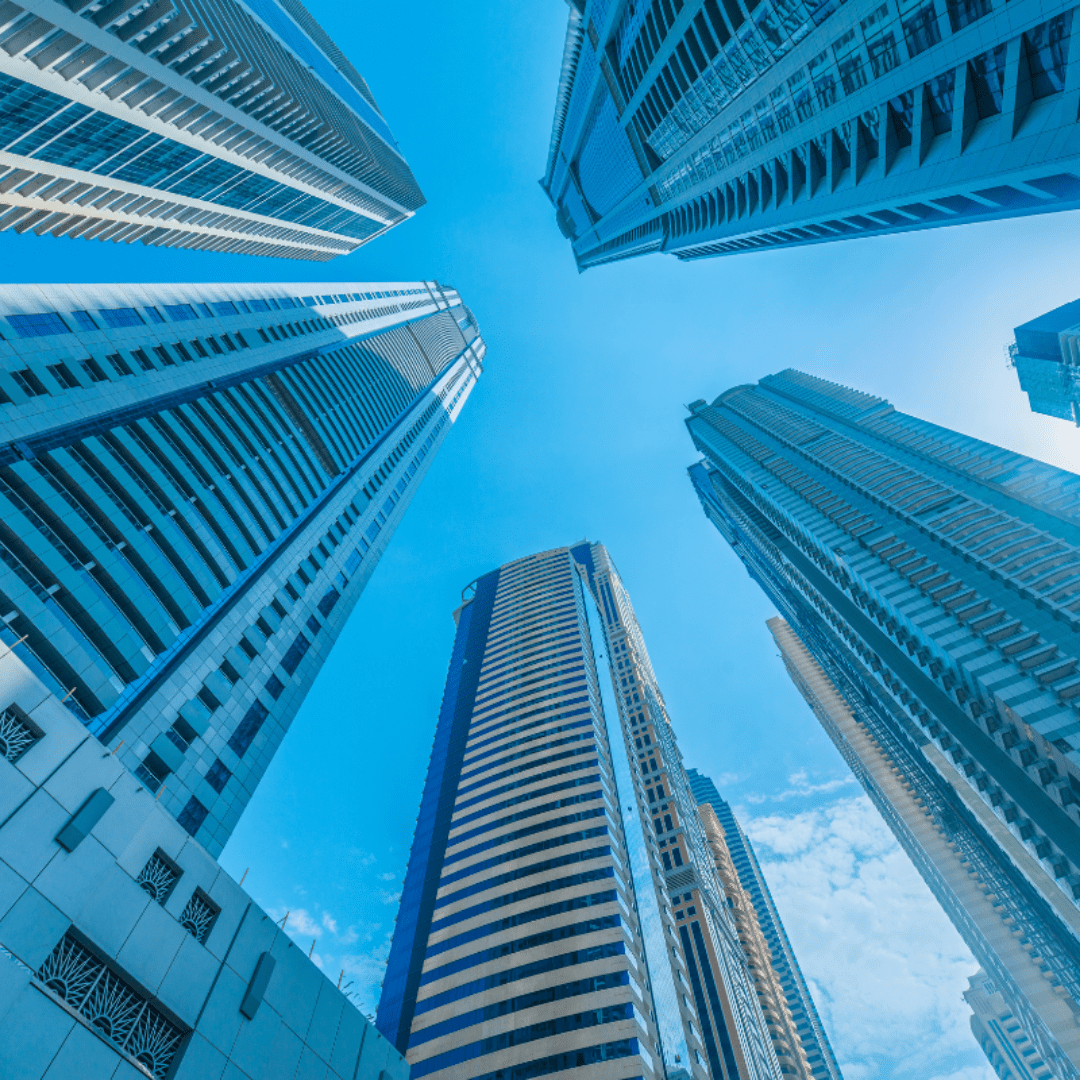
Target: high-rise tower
x=930, y=585
x=237, y=126
x=561, y=906
x=1000, y=1034
x=713, y=127
x=196, y=483
x=809, y=1032
x=1046, y=358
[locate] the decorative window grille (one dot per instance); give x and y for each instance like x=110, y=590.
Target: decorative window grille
x=158, y=877
x=199, y=916
x=17, y=733
x=112, y=1008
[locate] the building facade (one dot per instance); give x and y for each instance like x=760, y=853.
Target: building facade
x=232, y=126
x=927, y=583
x=1046, y=360
x=999, y=1033
x=713, y=127
x=126, y=952
x=561, y=908
x=731, y=842
x=196, y=483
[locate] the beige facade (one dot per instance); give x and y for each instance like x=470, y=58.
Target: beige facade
x=774, y=1006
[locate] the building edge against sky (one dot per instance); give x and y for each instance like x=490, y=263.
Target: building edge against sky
x=802, y=1012
x=928, y=582
x=1001, y=1036
x=1045, y=357
x=615, y=946
x=197, y=484
x=125, y=950
x=237, y=127
x=714, y=127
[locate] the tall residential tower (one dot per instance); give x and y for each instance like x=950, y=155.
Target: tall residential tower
x=808, y=1029
x=1046, y=356
x=196, y=483
x=713, y=127
x=561, y=907
x=235, y=126
x=929, y=585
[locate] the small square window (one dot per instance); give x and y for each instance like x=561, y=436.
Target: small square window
x=275, y=687
x=83, y=320
x=142, y=360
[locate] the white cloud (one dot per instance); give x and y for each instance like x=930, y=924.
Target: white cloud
x=330, y=923
x=300, y=923
x=885, y=965
x=388, y=876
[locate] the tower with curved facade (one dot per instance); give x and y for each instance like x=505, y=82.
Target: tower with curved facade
x=196, y=483
x=718, y=127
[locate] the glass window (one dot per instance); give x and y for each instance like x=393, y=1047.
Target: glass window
x=83, y=320
x=1047, y=48
x=192, y=816
x=987, y=75
x=218, y=775
x=178, y=312
x=115, y=318
x=155, y=315
x=921, y=29
x=224, y=308
x=39, y=325
x=963, y=12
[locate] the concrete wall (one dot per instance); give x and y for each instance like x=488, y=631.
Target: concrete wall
x=303, y=1028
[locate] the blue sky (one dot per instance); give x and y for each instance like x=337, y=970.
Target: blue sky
x=576, y=431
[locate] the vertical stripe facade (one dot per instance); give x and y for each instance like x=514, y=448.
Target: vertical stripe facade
x=537, y=933
x=524, y=958
x=195, y=485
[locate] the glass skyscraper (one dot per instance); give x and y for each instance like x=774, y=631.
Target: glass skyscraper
x=196, y=483
x=819, y=1061
x=712, y=127
x=234, y=126
x=1047, y=362
x=929, y=585
x=561, y=907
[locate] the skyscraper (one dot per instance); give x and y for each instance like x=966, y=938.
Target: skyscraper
x=561, y=907
x=712, y=127
x=929, y=586
x=196, y=484
x=237, y=126
x=1045, y=358
x=808, y=1029
x=1002, y=1037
